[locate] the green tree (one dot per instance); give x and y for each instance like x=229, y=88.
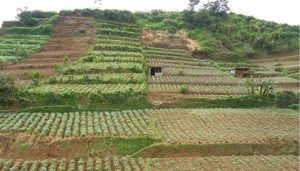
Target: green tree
x=217, y=7
x=193, y=4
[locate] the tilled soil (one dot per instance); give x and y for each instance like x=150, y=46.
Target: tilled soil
x=71, y=37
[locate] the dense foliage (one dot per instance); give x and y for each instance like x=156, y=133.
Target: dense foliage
x=229, y=36
x=219, y=34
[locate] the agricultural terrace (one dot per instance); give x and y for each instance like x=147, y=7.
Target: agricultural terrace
x=181, y=73
x=80, y=124
x=223, y=126
x=179, y=126
x=18, y=39
x=261, y=73
x=15, y=47
x=255, y=162
x=69, y=38
x=113, y=69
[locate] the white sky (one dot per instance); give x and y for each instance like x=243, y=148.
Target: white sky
x=281, y=11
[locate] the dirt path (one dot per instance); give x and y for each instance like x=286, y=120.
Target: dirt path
x=72, y=36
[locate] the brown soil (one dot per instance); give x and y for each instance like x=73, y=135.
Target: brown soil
x=11, y=148
x=72, y=36
x=165, y=39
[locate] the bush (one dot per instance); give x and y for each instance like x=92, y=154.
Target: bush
x=36, y=76
x=7, y=90
x=278, y=69
x=184, y=89
x=286, y=99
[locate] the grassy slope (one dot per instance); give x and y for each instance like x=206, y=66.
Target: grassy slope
x=231, y=37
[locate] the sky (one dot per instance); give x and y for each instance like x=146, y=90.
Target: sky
x=280, y=11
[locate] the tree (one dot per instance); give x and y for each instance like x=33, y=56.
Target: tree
x=192, y=4
x=217, y=7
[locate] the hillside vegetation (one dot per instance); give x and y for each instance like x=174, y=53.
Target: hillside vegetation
x=225, y=36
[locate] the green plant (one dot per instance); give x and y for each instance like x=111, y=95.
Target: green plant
x=36, y=76
x=66, y=59
x=278, y=69
x=260, y=87
x=7, y=90
x=184, y=89
x=286, y=99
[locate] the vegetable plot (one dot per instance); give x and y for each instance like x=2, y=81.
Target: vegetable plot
x=134, y=123
x=223, y=126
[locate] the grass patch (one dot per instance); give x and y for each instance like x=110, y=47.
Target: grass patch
x=117, y=146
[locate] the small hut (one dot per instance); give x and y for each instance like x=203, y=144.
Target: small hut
x=240, y=71
x=154, y=71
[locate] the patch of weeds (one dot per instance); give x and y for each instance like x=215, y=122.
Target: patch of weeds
x=118, y=146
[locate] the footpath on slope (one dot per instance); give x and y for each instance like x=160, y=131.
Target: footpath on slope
x=71, y=37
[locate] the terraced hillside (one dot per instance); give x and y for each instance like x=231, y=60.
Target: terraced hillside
x=112, y=70
x=96, y=110
x=71, y=37
x=184, y=76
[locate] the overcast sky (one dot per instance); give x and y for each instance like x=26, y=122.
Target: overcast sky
x=281, y=11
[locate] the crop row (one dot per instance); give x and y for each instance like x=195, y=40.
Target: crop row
x=255, y=162
x=259, y=163
x=200, y=80
x=122, y=42
x=207, y=71
x=116, y=54
x=170, y=57
x=219, y=126
x=176, y=65
x=84, y=89
x=101, y=58
x=80, y=124
x=177, y=62
x=165, y=50
x=114, y=37
x=200, y=89
x=103, y=66
x=118, y=33
x=90, y=164
x=125, y=78
x=24, y=36
x=280, y=80
x=167, y=53
x=116, y=47
x=114, y=26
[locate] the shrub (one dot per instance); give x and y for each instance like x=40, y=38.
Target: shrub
x=36, y=76
x=66, y=60
x=278, y=69
x=184, y=89
x=286, y=98
x=7, y=90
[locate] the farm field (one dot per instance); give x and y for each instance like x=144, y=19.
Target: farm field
x=259, y=163
x=64, y=42
x=86, y=89
x=181, y=71
x=181, y=126
x=114, y=65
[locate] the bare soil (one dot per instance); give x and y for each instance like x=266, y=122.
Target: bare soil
x=71, y=37
x=165, y=39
